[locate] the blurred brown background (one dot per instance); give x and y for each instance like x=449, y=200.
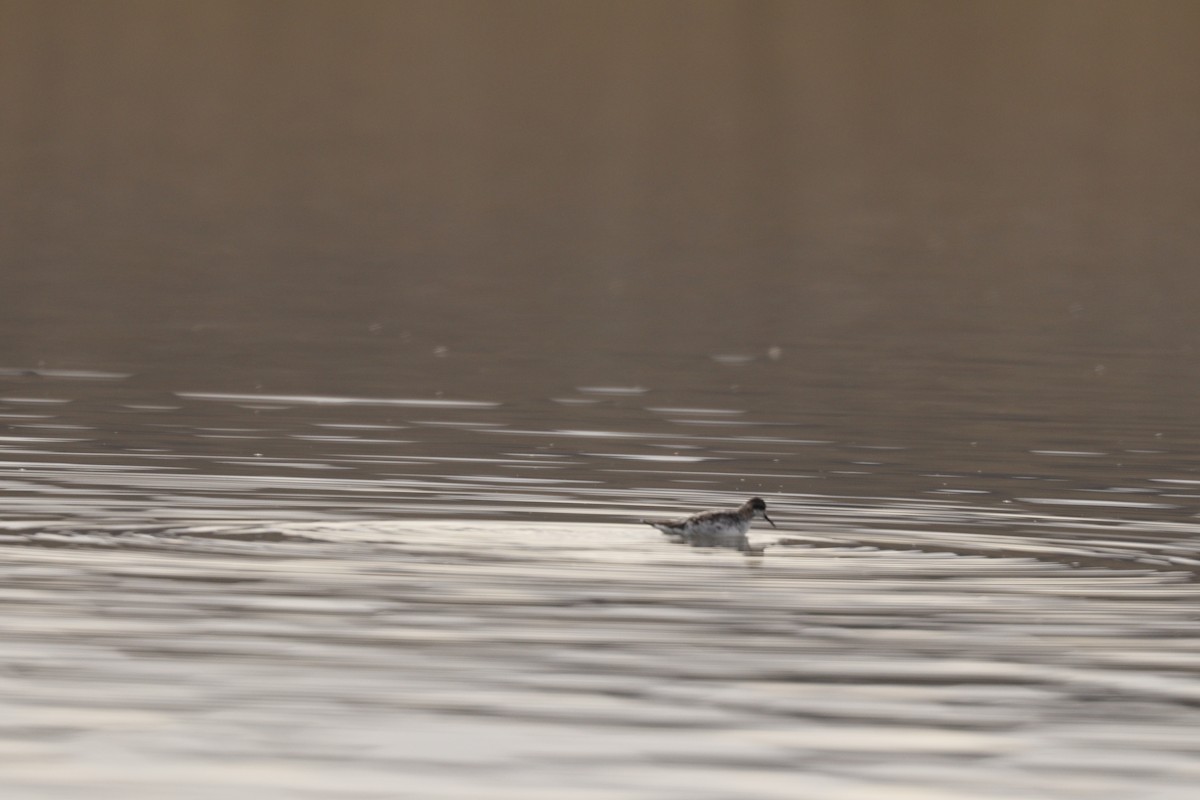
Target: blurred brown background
x=583, y=179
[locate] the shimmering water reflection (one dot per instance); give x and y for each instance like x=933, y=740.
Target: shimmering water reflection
x=518, y=659
x=283, y=596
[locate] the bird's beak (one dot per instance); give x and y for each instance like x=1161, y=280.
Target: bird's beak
x=768, y=519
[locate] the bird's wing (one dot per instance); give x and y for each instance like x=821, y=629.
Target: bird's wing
x=702, y=516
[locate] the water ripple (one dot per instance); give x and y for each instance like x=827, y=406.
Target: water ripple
x=594, y=644
x=327, y=400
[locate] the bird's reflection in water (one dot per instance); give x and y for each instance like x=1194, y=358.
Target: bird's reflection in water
x=735, y=541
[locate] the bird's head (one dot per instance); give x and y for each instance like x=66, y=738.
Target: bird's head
x=758, y=508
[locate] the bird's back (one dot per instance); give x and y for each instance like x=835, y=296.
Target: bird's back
x=706, y=523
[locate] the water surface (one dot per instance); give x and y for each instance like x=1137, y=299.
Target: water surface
x=341, y=350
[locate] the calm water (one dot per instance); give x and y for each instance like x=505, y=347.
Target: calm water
x=341, y=347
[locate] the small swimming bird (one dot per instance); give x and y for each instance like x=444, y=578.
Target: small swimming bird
x=713, y=526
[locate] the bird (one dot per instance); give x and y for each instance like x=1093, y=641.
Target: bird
x=716, y=527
